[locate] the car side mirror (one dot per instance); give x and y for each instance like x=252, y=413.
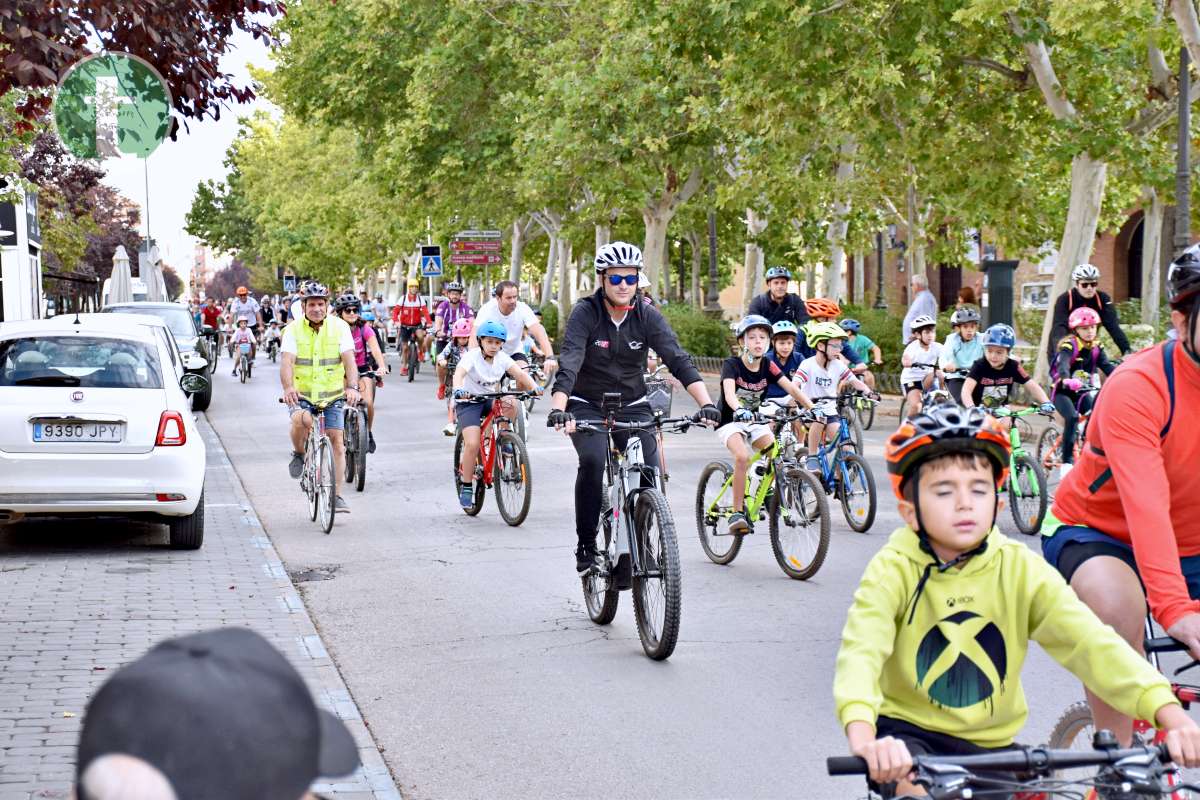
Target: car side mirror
x=191, y=383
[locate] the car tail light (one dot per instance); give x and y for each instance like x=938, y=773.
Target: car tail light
x=167, y=498
x=171, y=432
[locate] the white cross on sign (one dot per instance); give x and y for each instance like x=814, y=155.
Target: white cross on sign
x=107, y=103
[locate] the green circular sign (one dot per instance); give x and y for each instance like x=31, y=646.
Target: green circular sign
x=112, y=104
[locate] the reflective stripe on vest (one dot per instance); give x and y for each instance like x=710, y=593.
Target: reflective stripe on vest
x=319, y=376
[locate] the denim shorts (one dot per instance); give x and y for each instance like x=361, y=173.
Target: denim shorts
x=334, y=413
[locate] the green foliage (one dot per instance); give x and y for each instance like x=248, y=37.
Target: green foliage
x=550, y=319
x=884, y=328
x=698, y=333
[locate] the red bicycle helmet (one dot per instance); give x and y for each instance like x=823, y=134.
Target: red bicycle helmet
x=941, y=430
x=822, y=307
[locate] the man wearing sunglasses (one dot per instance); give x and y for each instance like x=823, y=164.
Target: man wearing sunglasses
x=1086, y=294
x=604, y=351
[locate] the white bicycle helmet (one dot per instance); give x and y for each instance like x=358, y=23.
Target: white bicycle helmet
x=923, y=321
x=1085, y=272
x=618, y=254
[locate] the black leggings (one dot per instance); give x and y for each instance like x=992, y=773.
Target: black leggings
x=593, y=451
x=1065, y=402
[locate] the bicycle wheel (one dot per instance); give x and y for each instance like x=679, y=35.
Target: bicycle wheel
x=866, y=415
x=243, y=370
x=799, y=523
x=1049, y=448
x=361, y=439
x=656, y=589
x=413, y=358
x=599, y=594
x=325, y=486
x=856, y=431
x=520, y=422
x=350, y=441
x=477, y=500
x=712, y=514
x=856, y=489
x=308, y=481
x=512, y=480
x=1027, y=494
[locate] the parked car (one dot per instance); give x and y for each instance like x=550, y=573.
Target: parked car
x=189, y=339
x=94, y=421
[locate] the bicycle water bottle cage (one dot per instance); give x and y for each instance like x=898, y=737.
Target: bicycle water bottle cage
x=611, y=403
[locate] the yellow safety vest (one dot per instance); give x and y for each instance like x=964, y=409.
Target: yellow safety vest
x=319, y=377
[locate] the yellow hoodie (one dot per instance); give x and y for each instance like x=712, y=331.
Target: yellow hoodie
x=955, y=668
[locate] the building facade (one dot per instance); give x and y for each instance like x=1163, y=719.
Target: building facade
x=20, y=258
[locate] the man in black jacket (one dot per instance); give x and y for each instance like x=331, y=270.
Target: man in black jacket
x=604, y=351
x=1085, y=294
x=777, y=303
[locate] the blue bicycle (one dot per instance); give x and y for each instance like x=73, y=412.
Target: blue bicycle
x=846, y=475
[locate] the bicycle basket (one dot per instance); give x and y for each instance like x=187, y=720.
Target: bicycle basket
x=658, y=392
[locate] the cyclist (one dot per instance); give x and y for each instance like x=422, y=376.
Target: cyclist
x=274, y=335
x=411, y=316
x=368, y=356
x=241, y=336
x=516, y=317
x=604, y=350
x=920, y=361
x=962, y=349
x=859, y=345
x=447, y=362
x=1086, y=294
x=319, y=375
x=992, y=378
x=821, y=378
x=1079, y=357
x=450, y=311
x=745, y=379
x=247, y=308
x=479, y=371
x=1126, y=514
x=777, y=303
x=784, y=356
x=949, y=582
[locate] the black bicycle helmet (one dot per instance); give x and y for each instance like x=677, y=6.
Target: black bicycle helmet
x=1183, y=277
x=347, y=301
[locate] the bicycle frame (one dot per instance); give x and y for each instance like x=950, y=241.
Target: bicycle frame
x=757, y=499
x=830, y=450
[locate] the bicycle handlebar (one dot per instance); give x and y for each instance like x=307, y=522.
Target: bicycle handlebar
x=605, y=426
x=1024, y=759
x=1005, y=411
x=496, y=395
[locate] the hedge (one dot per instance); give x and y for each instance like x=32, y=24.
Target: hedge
x=699, y=334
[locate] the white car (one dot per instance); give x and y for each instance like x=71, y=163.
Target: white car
x=94, y=421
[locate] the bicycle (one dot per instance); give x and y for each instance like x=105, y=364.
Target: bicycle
x=357, y=439
x=317, y=478
x=847, y=407
x=502, y=463
x=1027, y=497
x=1049, y=448
x=521, y=421
x=244, y=365
x=273, y=349
x=777, y=489
x=659, y=393
x=846, y=475
x=1034, y=772
x=1077, y=719
x=640, y=550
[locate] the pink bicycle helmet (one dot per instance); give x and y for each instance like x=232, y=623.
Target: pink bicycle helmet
x=1083, y=316
x=462, y=328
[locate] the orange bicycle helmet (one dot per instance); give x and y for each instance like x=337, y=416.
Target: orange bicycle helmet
x=941, y=430
x=822, y=307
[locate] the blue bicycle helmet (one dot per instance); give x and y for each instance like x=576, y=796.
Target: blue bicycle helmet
x=492, y=330
x=851, y=325
x=1000, y=335
x=753, y=321
x=778, y=272
x=785, y=327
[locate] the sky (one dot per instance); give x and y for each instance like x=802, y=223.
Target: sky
x=175, y=168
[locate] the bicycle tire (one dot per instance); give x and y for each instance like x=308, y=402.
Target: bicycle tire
x=350, y=444
x=309, y=482
x=600, y=596
x=361, y=440
x=326, y=486
x=707, y=526
x=242, y=370
x=652, y=506
x=850, y=463
x=503, y=463
x=1074, y=720
x=1028, y=511
x=519, y=425
x=1049, y=448
x=414, y=359
x=866, y=415
x=477, y=499
x=795, y=490
x=856, y=432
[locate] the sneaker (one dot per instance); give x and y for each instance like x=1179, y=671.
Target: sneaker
x=450, y=429
x=466, y=496
x=370, y=442
x=339, y=505
x=812, y=464
x=403, y=371
x=1063, y=469
x=738, y=523
x=585, y=558
x=296, y=465
x=441, y=391
x=234, y=373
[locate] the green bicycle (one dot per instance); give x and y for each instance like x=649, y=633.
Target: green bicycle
x=1027, y=496
x=777, y=489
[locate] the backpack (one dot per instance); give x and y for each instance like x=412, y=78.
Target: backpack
x=1075, y=351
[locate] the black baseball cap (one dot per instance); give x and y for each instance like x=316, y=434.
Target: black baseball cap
x=222, y=715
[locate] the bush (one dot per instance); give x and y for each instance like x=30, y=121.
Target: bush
x=699, y=334
x=884, y=328
x=550, y=320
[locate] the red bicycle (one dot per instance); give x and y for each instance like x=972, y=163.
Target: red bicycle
x=503, y=462
x=1049, y=447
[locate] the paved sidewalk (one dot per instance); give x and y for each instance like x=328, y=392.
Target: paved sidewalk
x=81, y=599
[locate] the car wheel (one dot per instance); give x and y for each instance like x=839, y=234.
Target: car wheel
x=200, y=400
x=187, y=533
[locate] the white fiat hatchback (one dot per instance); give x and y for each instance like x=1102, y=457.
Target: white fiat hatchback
x=95, y=421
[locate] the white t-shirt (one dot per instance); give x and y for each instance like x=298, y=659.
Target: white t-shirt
x=482, y=377
x=247, y=310
x=345, y=337
x=821, y=384
x=514, y=324
x=920, y=356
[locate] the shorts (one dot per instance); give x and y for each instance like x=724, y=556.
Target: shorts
x=921, y=742
x=751, y=430
x=1069, y=546
x=470, y=415
x=408, y=333
x=519, y=356
x=334, y=413
x=912, y=386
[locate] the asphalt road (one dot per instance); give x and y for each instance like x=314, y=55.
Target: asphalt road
x=466, y=645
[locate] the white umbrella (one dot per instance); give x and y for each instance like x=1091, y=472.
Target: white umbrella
x=120, y=284
x=151, y=271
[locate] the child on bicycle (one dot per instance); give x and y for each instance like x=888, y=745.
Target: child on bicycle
x=962, y=349
x=991, y=379
x=920, y=362
x=273, y=335
x=822, y=377
x=744, y=381
x=243, y=336
x=934, y=642
x=859, y=345
x=480, y=371
x=447, y=363
x=1078, y=358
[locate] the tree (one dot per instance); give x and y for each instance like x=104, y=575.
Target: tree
x=117, y=222
x=224, y=282
x=173, y=282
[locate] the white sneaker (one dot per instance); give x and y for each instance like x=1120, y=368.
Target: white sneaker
x=1063, y=469
x=450, y=429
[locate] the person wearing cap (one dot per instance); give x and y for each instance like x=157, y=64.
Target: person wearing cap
x=1085, y=293
x=777, y=303
x=247, y=308
x=216, y=714
x=411, y=316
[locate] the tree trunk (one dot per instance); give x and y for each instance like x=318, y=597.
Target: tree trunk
x=1088, y=178
x=915, y=230
x=1184, y=12
x=657, y=215
x=837, y=228
x=387, y=280
x=860, y=279
x=548, y=278
x=1152, y=220
x=810, y=281
x=694, y=242
x=564, y=289
x=517, y=250
x=752, y=265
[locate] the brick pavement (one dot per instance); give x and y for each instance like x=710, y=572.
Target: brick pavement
x=81, y=599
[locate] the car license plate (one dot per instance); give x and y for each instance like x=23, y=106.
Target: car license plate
x=77, y=431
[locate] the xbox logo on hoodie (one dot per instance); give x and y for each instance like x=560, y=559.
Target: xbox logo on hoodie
x=112, y=104
x=962, y=660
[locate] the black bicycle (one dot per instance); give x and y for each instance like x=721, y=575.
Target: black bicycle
x=639, y=550
x=357, y=441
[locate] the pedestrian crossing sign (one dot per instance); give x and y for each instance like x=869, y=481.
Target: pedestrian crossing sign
x=431, y=260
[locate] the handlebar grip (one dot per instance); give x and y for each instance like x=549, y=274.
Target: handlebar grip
x=1164, y=644
x=846, y=765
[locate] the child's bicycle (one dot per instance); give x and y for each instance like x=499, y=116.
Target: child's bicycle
x=777, y=489
x=849, y=409
x=244, y=363
x=1027, y=496
x=1049, y=449
x=1034, y=773
x=502, y=463
x=846, y=475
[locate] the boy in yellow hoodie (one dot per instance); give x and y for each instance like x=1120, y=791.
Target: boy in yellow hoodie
x=933, y=646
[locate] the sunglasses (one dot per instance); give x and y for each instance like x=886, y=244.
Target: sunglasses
x=1088, y=284
x=628, y=280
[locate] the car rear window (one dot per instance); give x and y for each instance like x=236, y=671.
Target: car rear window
x=88, y=361
x=179, y=320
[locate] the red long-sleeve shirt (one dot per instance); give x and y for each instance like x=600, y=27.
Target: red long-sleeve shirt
x=411, y=311
x=1152, y=499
